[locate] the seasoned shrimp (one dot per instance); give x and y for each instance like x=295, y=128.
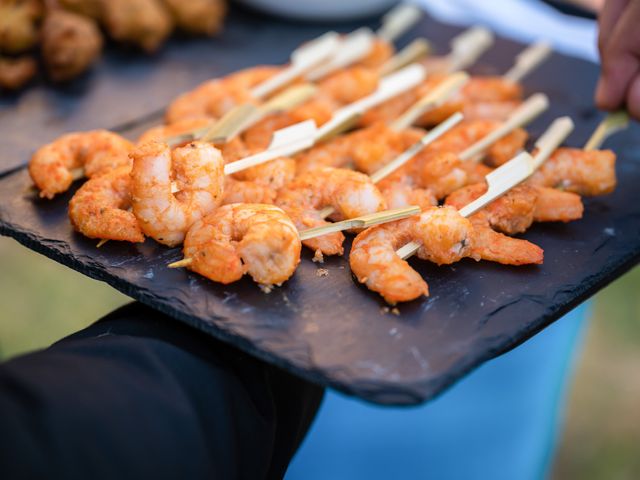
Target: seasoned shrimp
x=496, y=247
x=400, y=194
x=96, y=151
x=587, y=173
x=99, y=209
x=274, y=174
x=349, y=84
x=247, y=191
x=498, y=110
x=515, y=211
x=199, y=175
x=366, y=149
x=350, y=193
x=244, y=238
x=214, y=98
x=380, y=52
x=162, y=132
x=491, y=89
x=445, y=236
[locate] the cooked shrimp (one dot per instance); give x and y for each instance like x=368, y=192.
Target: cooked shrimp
x=246, y=191
x=380, y=52
x=349, y=84
x=350, y=193
x=491, y=89
x=162, y=132
x=198, y=172
x=99, y=208
x=445, y=236
x=367, y=149
x=498, y=110
x=399, y=194
x=97, y=151
x=244, y=238
x=274, y=174
x=587, y=173
x=515, y=211
x=496, y=247
x=213, y=98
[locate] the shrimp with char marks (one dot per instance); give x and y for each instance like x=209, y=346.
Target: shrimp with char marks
x=351, y=194
x=244, y=238
x=96, y=151
x=99, y=209
x=197, y=169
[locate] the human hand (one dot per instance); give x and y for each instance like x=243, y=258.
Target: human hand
x=619, y=45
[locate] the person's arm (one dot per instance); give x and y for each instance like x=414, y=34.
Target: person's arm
x=139, y=395
x=619, y=45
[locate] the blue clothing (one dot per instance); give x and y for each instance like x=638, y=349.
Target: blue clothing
x=500, y=422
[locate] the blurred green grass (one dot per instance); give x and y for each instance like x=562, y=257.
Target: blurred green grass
x=43, y=301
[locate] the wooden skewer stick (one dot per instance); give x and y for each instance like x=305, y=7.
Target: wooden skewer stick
x=230, y=123
x=389, y=87
x=417, y=147
x=467, y=47
x=408, y=154
x=433, y=99
x=611, y=124
x=286, y=141
x=414, y=51
x=353, y=47
x=528, y=60
x=510, y=174
x=303, y=59
x=524, y=114
x=357, y=44
x=358, y=222
x=398, y=20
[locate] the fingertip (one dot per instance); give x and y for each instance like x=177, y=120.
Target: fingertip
x=604, y=97
x=633, y=98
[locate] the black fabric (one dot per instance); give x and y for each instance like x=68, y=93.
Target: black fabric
x=139, y=395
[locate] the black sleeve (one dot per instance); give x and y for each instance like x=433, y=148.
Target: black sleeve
x=139, y=395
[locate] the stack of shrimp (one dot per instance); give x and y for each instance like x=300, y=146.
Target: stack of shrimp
x=248, y=223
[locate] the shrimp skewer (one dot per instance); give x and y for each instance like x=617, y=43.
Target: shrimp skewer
x=172, y=189
x=52, y=167
x=504, y=178
x=588, y=171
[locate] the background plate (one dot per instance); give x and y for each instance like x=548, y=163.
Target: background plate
x=321, y=324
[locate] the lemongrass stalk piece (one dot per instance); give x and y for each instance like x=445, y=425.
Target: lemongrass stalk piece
x=611, y=124
x=230, y=124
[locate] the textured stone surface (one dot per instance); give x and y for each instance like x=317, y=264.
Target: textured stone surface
x=328, y=328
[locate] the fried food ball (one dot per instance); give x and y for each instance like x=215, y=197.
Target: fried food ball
x=15, y=72
x=71, y=43
x=19, y=24
x=88, y=8
x=199, y=17
x=144, y=23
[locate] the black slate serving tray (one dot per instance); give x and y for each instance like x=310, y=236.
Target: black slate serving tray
x=321, y=324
